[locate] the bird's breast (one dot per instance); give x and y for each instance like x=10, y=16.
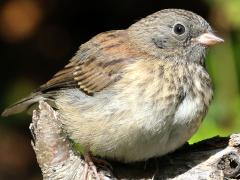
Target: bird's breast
x=193, y=108
x=167, y=103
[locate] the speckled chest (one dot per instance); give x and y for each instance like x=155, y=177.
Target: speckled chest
x=169, y=84
x=193, y=107
x=169, y=95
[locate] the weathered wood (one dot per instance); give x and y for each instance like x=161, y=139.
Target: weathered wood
x=216, y=158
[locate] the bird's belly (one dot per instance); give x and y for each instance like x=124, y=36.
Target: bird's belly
x=129, y=132
x=186, y=121
x=145, y=140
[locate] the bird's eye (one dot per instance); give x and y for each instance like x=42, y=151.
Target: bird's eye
x=179, y=29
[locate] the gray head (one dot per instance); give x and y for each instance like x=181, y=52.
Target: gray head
x=174, y=34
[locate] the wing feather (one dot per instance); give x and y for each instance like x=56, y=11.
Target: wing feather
x=97, y=64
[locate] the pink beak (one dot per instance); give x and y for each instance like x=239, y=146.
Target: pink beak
x=208, y=39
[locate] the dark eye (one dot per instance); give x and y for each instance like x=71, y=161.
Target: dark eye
x=179, y=29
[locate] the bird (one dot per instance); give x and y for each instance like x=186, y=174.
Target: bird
x=137, y=93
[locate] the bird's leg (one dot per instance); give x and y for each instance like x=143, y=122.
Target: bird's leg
x=89, y=164
x=85, y=171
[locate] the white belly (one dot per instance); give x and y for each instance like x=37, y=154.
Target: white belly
x=149, y=137
x=187, y=119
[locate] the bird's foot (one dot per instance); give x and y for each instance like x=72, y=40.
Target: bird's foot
x=90, y=167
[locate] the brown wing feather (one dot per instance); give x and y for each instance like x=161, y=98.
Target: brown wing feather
x=98, y=63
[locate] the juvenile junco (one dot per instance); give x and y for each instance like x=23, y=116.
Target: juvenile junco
x=134, y=94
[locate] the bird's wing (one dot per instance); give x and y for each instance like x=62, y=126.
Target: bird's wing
x=97, y=64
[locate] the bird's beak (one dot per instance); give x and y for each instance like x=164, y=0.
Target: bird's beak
x=208, y=39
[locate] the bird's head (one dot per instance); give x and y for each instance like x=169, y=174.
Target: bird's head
x=174, y=34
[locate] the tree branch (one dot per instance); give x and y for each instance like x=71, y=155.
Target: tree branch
x=215, y=158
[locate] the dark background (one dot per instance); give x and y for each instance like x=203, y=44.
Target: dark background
x=38, y=37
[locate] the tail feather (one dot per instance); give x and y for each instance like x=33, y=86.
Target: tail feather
x=23, y=105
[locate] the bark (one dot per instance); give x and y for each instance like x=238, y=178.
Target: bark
x=214, y=159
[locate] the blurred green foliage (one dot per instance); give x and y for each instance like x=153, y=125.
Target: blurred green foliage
x=223, y=64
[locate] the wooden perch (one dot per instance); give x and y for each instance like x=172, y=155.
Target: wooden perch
x=214, y=159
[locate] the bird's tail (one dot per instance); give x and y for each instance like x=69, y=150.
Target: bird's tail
x=24, y=104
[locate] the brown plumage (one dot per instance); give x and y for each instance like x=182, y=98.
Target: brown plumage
x=98, y=64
